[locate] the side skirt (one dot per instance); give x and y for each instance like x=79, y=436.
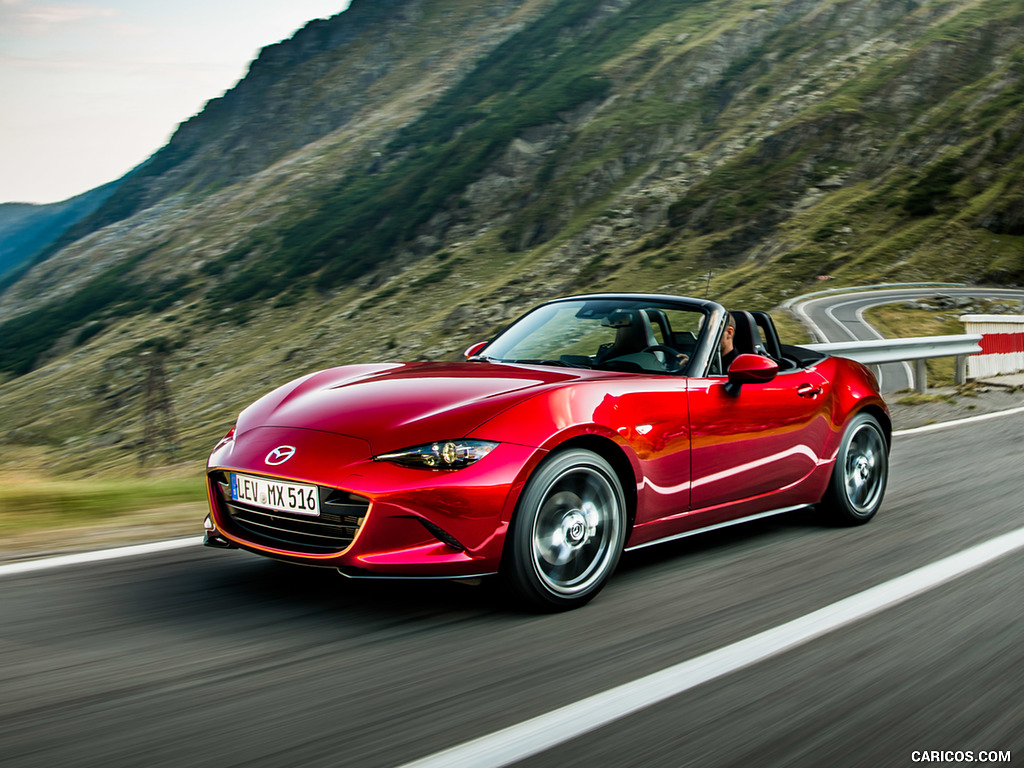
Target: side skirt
x=355, y=573
x=716, y=526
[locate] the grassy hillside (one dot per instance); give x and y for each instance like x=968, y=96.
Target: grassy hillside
x=437, y=169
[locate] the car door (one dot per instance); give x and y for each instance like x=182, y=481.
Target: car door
x=754, y=446
x=649, y=413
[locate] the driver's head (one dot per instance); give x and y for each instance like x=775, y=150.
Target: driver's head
x=728, y=333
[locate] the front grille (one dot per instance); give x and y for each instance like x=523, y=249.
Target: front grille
x=341, y=515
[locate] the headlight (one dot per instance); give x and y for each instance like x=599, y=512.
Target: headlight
x=444, y=454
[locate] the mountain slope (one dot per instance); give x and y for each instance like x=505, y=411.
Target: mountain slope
x=396, y=183
x=306, y=87
x=27, y=228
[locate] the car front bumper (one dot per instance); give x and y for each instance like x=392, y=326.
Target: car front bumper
x=377, y=518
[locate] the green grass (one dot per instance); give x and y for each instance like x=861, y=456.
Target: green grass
x=965, y=24
x=30, y=504
x=894, y=321
x=110, y=295
x=918, y=399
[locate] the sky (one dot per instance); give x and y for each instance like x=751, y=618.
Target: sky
x=91, y=88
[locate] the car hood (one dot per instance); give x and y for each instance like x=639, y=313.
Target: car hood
x=401, y=405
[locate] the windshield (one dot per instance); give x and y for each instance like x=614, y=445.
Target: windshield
x=639, y=335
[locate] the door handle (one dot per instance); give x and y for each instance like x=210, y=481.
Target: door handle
x=809, y=390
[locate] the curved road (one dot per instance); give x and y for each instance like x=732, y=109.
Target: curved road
x=207, y=658
x=840, y=317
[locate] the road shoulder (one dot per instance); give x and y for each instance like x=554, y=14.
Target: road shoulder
x=940, y=404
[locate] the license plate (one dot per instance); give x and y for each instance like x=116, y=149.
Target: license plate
x=272, y=494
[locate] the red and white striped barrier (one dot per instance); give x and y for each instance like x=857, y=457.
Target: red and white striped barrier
x=1002, y=344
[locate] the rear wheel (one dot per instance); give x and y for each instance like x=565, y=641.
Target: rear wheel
x=567, y=533
x=860, y=474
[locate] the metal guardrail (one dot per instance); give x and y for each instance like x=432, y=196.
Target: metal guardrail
x=919, y=349
x=877, y=351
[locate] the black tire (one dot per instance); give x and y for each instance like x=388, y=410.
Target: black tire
x=861, y=472
x=567, y=533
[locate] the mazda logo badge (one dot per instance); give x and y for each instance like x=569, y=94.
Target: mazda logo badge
x=279, y=455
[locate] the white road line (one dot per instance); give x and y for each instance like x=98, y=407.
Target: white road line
x=26, y=566
x=856, y=299
x=801, y=309
x=911, y=380
x=880, y=375
x=956, y=422
x=539, y=734
x=831, y=312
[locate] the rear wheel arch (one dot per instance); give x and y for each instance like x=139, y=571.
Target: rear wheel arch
x=883, y=421
x=860, y=474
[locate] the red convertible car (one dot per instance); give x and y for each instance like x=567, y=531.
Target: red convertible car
x=592, y=425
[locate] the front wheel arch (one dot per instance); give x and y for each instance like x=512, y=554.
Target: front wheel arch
x=568, y=531
x=615, y=455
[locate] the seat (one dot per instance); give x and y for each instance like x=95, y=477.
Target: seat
x=633, y=334
x=769, y=334
x=747, y=338
x=659, y=319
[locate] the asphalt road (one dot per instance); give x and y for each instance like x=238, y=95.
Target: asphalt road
x=841, y=318
x=207, y=658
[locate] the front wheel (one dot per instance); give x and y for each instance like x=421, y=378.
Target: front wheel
x=567, y=533
x=860, y=474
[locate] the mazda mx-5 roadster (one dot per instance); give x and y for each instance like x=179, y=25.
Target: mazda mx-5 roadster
x=590, y=426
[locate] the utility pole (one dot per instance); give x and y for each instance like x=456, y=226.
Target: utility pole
x=159, y=433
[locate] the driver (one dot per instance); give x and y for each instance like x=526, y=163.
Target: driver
x=728, y=351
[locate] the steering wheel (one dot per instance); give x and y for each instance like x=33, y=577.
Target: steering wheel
x=674, y=360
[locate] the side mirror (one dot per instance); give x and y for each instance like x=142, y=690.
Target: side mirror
x=752, y=369
x=472, y=350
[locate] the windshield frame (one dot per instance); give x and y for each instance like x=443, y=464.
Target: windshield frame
x=712, y=313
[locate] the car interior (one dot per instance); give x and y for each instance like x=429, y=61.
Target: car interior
x=756, y=335
x=642, y=339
